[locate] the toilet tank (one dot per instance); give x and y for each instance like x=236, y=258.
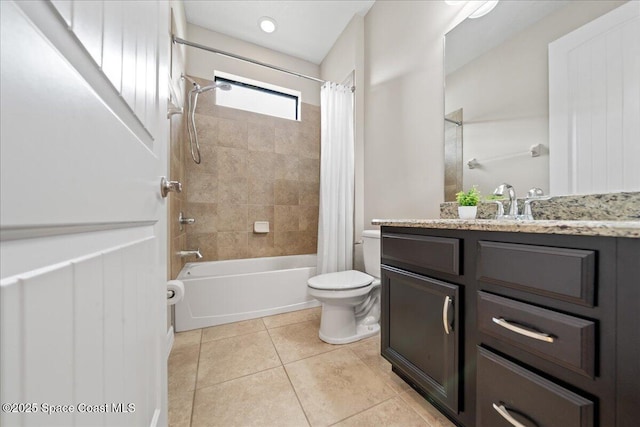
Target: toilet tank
x=371, y=252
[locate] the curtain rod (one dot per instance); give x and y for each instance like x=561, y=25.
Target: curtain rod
x=244, y=58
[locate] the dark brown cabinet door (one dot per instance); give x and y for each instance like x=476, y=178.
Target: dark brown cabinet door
x=420, y=322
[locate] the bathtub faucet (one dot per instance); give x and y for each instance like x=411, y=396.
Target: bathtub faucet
x=189, y=253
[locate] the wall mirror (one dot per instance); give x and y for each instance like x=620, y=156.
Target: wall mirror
x=497, y=93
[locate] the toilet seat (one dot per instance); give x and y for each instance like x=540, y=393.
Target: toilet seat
x=340, y=281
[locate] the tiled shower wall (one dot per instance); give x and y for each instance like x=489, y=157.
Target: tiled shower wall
x=254, y=168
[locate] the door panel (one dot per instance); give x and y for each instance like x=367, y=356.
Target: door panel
x=63, y=143
x=418, y=341
x=413, y=332
x=594, y=105
x=82, y=224
x=112, y=43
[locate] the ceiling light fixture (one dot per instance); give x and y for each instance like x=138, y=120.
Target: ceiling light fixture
x=268, y=25
x=484, y=9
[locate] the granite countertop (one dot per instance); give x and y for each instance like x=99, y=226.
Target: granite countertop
x=579, y=228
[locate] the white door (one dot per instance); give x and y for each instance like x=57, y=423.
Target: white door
x=594, y=105
x=83, y=226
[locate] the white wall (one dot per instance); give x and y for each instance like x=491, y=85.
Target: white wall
x=403, y=159
x=178, y=52
x=202, y=64
x=504, y=96
x=345, y=57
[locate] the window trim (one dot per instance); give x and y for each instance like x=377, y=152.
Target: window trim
x=262, y=89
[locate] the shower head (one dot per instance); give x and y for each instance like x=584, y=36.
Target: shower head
x=217, y=85
x=199, y=89
x=223, y=86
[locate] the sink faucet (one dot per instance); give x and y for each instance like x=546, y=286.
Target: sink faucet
x=184, y=254
x=513, y=202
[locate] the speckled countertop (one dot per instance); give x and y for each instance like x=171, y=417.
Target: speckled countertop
x=587, y=207
x=578, y=228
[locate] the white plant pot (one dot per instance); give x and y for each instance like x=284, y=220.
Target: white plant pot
x=467, y=212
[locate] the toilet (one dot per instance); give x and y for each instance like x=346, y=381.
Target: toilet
x=350, y=299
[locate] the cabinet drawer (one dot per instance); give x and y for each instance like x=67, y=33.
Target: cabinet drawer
x=528, y=398
x=435, y=253
x=562, y=339
x=565, y=274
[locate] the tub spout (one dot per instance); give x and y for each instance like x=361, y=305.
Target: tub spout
x=184, y=254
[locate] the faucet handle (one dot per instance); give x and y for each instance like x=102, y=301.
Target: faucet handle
x=527, y=214
x=167, y=186
x=500, y=209
x=534, y=193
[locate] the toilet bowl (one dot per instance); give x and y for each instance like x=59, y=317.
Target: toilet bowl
x=350, y=299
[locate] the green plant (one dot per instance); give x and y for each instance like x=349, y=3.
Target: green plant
x=470, y=198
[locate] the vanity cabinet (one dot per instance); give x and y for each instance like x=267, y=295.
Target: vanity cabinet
x=540, y=325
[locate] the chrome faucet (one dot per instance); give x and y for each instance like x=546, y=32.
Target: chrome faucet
x=513, y=201
x=184, y=254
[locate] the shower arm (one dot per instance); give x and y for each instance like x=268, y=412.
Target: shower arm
x=189, y=79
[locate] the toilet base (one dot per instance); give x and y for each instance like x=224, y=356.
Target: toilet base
x=338, y=325
x=363, y=331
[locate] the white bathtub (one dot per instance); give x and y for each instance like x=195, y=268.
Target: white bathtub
x=220, y=292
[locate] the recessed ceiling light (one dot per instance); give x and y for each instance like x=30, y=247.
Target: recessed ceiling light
x=268, y=25
x=484, y=9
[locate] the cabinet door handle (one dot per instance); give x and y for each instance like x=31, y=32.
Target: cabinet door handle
x=445, y=314
x=507, y=416
x=522, y=331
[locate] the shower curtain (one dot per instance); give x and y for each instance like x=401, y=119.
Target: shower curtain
x=335, y=222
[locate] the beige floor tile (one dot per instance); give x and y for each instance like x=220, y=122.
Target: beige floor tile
x=392, y=413
x=262, y=399
x=180, y=406
x=335, y=385
x=426, y=410
x=230, y=358
x=187, y=338
x=292, y=317
x=232, y=329
x=183, y=365
x=300, y=340
x=368, y=351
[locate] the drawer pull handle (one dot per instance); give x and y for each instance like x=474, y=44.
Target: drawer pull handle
x=507, y=416
x=522, y=331
x=445, y=314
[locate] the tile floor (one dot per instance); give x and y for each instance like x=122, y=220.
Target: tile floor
x=275, y=372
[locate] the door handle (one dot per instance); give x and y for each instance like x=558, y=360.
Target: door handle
x=445, y=314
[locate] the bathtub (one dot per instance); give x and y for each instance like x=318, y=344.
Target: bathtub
x=219, y=292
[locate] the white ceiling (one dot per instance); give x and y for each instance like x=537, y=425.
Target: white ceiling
x=306, y=29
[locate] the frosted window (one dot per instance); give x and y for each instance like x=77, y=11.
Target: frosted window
x=248, y=97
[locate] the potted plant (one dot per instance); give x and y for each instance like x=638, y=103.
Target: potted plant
x=468, y=203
